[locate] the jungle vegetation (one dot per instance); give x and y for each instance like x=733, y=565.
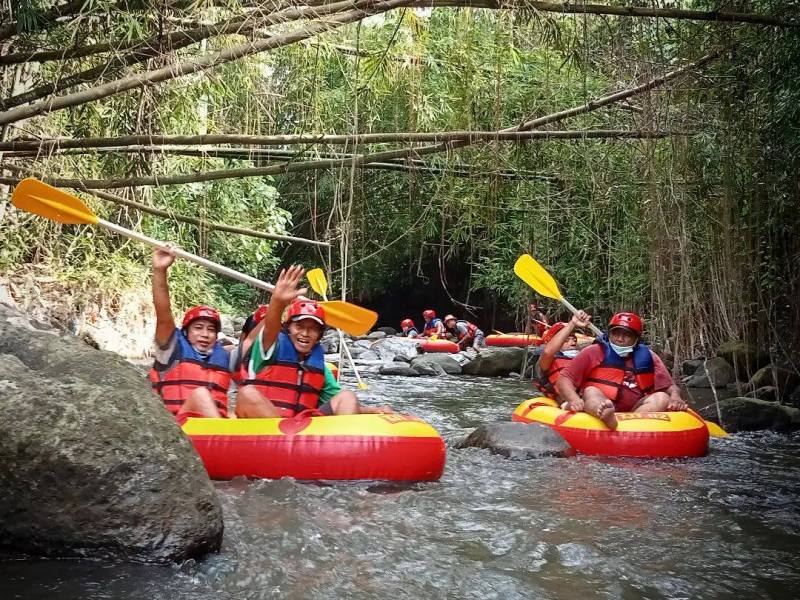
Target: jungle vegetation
x=670, y=188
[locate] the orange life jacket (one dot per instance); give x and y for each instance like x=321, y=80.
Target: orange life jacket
x=547, y=382
x=187, y=370
x=432, y=327
x=291, y=384
x=609, y=375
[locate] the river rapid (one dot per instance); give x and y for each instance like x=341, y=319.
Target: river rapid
x=723, y=526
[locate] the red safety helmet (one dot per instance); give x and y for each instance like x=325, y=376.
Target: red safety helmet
x=260, y=313
x=201, y=312
x=627, y=320
x=305, y=309
x=428, y=314
x=551, y=333
x=406, y=323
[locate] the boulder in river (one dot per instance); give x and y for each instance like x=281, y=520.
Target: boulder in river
x=445, y=362
x=330, y=342
x=398, y=368
x=389, y=331
x=745, y=357
x=518, y=440
x=392, y=348
x=752, y=414
x=495, y=361
x=714, y=372
x=91, y=465
x=376, y=335
x=783, y=380
x=690, y=367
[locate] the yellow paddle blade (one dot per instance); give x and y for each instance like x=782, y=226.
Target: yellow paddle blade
x=353, y=319
x=316, y=277
x=41, y=199
x=532, y=273
x=715, y=430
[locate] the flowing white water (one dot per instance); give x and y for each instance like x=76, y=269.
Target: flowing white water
x=721, y=526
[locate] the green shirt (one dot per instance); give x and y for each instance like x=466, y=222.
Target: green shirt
x=260, y=359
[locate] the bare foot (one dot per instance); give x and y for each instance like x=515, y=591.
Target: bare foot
x=606, y=413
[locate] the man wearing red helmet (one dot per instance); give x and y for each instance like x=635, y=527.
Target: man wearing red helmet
x=433, y=324
x=619, y=373
x=409, y=331
x=466, y=333
x=560, y=347
x=286, y=371
x=192, y=370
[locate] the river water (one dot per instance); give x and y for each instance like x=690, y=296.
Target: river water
x=723, y=526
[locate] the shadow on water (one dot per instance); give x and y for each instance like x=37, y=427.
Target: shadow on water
x=722, y=526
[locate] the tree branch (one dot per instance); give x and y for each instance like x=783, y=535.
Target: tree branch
x=360, y=9
x=619, y=11
x=61, y=10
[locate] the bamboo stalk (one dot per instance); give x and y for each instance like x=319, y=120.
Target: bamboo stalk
x=512, y=134
x=360, y=9
x=166, y=214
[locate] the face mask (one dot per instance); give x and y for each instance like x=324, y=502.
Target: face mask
x=621, y=350
x=570, y=353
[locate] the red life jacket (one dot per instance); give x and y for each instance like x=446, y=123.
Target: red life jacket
x=472, y=330
x=187, y=370
x=547, y=382
x=609, y=375
x=290, y=384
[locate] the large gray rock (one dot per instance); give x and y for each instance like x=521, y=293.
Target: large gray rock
x=746, y=358
x=752, y=414
x=714, y=372
x=376, y=335
x=689, y=367
x=330, y=343
x=783, y=380
x=793, y=399
x=518, y=440
x=398, y=368
x=91, y=465
x=392, y=348
x=363, y=343
x=387, y=330
x=495, y=361
x=445, y=361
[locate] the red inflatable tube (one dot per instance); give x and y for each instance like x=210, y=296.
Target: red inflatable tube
x=439, y=346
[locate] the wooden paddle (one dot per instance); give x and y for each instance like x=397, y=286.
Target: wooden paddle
x=319, y=283
x=532, y=273
x=42, y=199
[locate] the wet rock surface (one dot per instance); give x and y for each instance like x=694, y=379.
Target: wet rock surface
x=517, y=440
x=752, y=414
x=495, y=361
x=91, y=465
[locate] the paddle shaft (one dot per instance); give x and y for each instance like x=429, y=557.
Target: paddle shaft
x=211, y=266
x=574, y=311
x=343, y=344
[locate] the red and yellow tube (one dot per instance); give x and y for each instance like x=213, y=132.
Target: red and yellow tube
x=384, y=447
x=656, y=435
x=519, y=340
x=439, y=346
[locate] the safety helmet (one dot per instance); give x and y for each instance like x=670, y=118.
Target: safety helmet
x=406, y=323
x=428, y=314
x=260, y=313
x=201, y=312
x=305, y=309
x=448, y=317
x=627, y=320
x=552, y=331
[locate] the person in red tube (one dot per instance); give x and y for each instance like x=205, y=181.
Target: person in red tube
x=619, y=373
x=409, y=331
x=192, y=371
x=560, y=347
x=286, y=370
x=433, y=324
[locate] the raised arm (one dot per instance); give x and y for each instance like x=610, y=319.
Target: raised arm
x=163, y=258
x=285, y=292
x=552, y=347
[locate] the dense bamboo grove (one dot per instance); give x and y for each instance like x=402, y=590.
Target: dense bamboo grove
x=646, y=154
